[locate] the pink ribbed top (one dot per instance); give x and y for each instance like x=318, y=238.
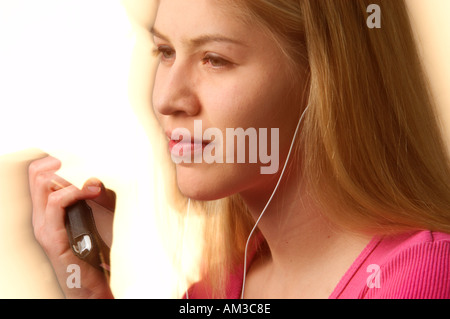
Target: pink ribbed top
x=408, y=266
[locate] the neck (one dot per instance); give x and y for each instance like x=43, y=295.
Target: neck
x=296, y=232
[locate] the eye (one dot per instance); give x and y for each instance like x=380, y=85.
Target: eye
x=166, y=52
x=215, y=61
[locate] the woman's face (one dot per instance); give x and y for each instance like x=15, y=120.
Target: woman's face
x=223, y=74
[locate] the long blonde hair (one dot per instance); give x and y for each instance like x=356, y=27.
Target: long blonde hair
x=371, y=149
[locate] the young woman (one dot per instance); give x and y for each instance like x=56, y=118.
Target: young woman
x=359, y=206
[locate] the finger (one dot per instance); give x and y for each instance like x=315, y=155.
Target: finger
x=59, y=200
x=42, y=165
x=40, y=172
x=45, y=184
x=56, y=183
x=45, y=163
x=107, y=197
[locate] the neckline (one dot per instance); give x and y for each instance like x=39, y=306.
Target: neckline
x=343, y=282
x=354, y=267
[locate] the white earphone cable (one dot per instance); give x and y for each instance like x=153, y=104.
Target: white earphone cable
x=270, y=199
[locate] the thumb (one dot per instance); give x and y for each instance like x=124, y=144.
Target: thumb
x=93, y=186
x=105, y=197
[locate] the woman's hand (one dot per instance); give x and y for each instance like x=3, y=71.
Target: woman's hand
x=50, y=195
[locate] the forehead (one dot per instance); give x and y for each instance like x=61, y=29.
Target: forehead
x=184, y=17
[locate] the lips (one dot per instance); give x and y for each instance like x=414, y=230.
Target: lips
x=184, y=146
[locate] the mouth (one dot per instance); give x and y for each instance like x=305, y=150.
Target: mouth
x=179, y=146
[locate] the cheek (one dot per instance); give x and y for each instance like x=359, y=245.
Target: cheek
x=156, y=91
x=257, y=104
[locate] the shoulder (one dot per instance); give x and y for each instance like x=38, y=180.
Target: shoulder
x=412, y=266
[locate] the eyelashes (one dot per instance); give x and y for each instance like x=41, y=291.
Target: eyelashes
x=165, y=52
x=215, y=61
x=168, y=55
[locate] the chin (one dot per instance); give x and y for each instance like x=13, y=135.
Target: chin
x=201, y=193
x=202, y=185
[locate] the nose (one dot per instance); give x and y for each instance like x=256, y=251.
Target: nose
x=174, y=91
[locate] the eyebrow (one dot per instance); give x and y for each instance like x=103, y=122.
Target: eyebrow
x=200, y=40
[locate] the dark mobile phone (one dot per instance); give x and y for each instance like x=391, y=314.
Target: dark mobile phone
x=84, y=239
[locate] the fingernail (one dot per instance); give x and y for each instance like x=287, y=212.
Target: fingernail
x=94, y=189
